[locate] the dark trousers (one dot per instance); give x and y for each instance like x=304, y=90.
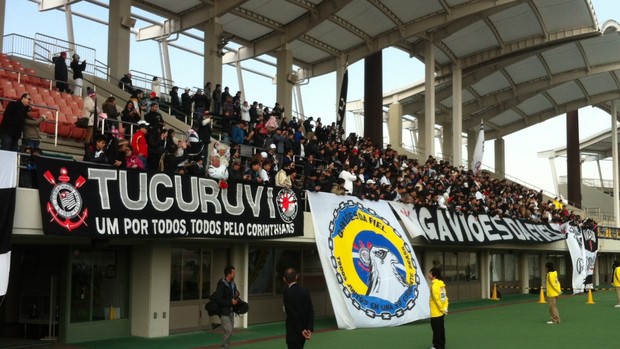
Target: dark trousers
x=439, y=332
x=297, y=344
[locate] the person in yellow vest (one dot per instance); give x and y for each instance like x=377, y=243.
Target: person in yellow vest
x=616, y=281
x=439, y=308
x=553, y=291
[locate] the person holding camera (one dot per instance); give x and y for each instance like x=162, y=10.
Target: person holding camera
x=226, y=297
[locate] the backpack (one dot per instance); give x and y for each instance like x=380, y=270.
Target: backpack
x=211, y=307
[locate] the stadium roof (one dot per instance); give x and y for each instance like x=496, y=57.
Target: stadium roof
x=522, y=61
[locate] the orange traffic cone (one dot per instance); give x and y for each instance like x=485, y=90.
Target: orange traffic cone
x=542, y=297
x=590, y=300
x=494, y=293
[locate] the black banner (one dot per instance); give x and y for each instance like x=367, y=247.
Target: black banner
x=83, y=199
x=443, y=226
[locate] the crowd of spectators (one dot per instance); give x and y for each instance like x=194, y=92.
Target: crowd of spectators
x=287, y=152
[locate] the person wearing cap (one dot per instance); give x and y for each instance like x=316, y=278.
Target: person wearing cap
x=61, y=74
x=153, y=98
x=78, y=77
x=139, y=142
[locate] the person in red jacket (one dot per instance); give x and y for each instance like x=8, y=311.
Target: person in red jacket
x=139, y=143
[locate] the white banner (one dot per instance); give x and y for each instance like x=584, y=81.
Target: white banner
x=583, y=246
x=373, y=276
x=476, y=162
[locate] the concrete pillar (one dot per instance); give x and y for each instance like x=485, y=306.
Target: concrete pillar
x=284, y=88
x=395, y=126
x=500, y=157
x=573, y=158
x=456, y=151
x=421, y=138
x=448, y=143
x=118, y=38
x=524, y=272
x=429, y=99
x=373, y=97
x=485, y=277
x=150, y=291
x=614, y=161
x=213, y=59
x=239, y=258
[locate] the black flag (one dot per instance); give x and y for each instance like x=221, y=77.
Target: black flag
x=8, y=184
x=342, y=102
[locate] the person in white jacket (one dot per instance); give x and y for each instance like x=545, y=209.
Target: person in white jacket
x=348, y=174
x=216, y=170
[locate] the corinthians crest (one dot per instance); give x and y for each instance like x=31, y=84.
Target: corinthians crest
x=65, y=202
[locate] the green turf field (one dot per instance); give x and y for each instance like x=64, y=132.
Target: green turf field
x=512, y=322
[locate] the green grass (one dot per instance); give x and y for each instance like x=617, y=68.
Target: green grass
x=514, y=322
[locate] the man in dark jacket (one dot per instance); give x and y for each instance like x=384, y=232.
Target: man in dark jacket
x=78, y=77
x=61, y=74
x=227, y=296
x=13, y=122
x=299, y=311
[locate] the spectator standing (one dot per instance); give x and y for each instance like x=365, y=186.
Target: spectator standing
x=175, y=103
x=553, y=291
x=139, y=143
x=89, y=110
x=226, y=297
x=61, y=73
x=186, y=103
x=439, y=308
x=156, y=86
x=216, y=99
x=78, y=78
x=130, y=115
x=245, y=112
x=200, y=104
x=299, y=311
x=13, y=122
x=112, y=114
x=208, y=96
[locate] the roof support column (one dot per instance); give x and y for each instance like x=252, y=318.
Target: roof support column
x=373, y=97
x=456, y=149
x=500, y=157
x=284, y=88
x=614, y=159
x=447, y=143
x=2, y=14
x=421, y=144
x=212, y=53
x=429, y=99
x=395, y=125
x=573, y=158
x=118, y=38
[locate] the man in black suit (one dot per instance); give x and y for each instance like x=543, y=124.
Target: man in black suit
x=299, y=311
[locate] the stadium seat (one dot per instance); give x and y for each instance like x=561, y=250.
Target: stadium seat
x=5, y=85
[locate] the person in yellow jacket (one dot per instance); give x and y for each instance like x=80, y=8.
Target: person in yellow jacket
x=439, y=308
x=616, y=281
x=553, y=291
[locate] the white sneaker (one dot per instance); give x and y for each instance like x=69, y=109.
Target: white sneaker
x=617, y=306
x=550, y=322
